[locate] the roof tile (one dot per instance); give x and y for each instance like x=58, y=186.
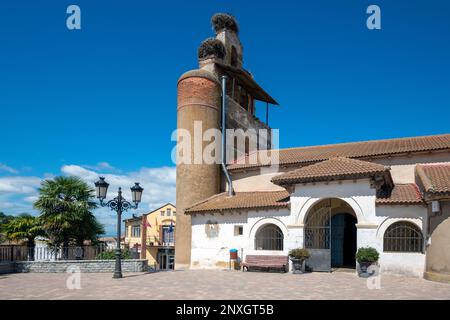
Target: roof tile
x=242, y=200
x=365, y=149
x=435, y=177
x=403, y=194
x=332, y=169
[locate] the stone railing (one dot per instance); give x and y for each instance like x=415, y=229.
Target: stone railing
x=88, y=266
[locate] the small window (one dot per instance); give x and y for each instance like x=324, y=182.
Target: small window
x=403, y=237
x=136, y=231
x=168, y=212
x=162, y=213
x=238, y=230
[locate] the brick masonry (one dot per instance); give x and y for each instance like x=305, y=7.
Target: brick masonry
x=89, y=266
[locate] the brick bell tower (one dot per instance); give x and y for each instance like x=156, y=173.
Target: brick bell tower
x=199, y=99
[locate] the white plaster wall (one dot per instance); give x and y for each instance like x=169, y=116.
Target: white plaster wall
x=405, y=263
x=357, y=194
x=403, y=168
x=372, y=222
x=256, y=183
x=214, y=252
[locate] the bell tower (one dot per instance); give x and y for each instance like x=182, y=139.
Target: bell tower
x=199, y=101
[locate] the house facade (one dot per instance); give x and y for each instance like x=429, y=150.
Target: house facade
x=392, y=194
x=152, y=236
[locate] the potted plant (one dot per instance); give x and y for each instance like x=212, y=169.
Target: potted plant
x=366, y=257
x=298, y=256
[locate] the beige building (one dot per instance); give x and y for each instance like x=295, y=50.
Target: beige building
x=152, y=236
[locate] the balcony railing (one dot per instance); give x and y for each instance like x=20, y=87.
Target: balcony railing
x=155, y=241
x=50, y=253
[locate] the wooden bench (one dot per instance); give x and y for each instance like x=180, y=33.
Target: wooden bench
x=266, y=262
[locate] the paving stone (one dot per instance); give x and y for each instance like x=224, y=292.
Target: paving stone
x=217, y=285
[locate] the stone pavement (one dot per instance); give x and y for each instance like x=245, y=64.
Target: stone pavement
x=215, y=284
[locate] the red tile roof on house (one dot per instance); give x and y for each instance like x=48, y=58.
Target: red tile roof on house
x=242, y=200
x=402, y=194
x=435, y=178
x=356, y=150
x=332, y=169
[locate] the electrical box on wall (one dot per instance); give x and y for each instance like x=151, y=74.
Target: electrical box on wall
x=435, y=207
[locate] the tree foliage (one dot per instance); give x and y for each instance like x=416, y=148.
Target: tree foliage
x=23, y=228
x=367, y=254
x=111, y=255
x=65, y=205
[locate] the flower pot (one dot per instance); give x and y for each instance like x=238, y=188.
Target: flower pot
x=363, y=267
x=297, y=265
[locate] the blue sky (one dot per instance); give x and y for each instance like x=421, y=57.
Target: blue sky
x=103, y=99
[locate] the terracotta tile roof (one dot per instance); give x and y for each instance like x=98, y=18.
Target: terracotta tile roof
x=332, y=169
x=435, y=178
x=366, y=149
x=242, y=200
x=402, y=194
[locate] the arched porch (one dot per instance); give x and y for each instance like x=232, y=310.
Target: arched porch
x=330, y=235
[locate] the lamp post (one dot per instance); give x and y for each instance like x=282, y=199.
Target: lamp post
x=118, y=204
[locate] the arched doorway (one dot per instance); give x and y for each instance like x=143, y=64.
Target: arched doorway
x=330, y=235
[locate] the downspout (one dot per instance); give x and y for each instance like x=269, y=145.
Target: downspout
x=224, y=140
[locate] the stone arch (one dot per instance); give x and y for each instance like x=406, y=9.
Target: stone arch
x=264, y=221
x=390, y=221
x=312, y=202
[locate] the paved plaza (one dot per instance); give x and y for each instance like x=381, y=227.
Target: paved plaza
x=209, y=284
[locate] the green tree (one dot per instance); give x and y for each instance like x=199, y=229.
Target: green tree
x=4, y=219
x=24, y=228
x=65, y=204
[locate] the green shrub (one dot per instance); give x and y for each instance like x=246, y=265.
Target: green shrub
x=222, y=21
x=111, y=255
x=211, y=47
x=299, y=253
x=367, y=254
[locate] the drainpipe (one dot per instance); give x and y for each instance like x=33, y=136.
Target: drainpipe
x=224, y=140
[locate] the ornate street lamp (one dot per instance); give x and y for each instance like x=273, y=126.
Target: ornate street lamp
x=118, y=204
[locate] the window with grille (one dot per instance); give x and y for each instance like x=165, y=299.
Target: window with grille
x=403, y=237
x=269, y=237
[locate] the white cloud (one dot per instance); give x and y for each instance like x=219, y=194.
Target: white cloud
x=103, y=167
x=158, y=183
x=5, y=168
x=18, y=193
x=19, y=184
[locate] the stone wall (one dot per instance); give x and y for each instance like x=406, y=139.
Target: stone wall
x=438, y=249
x=89, y=266
x=6, y=267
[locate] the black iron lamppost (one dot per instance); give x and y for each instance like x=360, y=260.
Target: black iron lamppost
x=118, y=204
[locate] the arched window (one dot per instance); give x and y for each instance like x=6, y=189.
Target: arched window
x=403, y=236
x=269, y=237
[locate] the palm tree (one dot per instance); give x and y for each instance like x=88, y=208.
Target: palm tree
x=24, y=227
x=65, y=204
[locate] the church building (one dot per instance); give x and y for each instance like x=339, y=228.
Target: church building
x=393, y=195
